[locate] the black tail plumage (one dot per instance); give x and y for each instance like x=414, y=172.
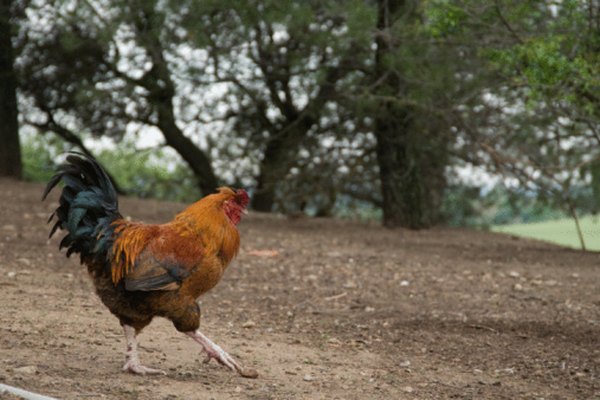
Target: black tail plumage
x=88, y=206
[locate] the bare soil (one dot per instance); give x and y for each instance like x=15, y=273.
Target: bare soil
x=323, y=309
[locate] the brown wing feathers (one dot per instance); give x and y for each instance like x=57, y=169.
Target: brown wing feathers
x=131, y=239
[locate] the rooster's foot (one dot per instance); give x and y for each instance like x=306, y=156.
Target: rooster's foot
x=222, y=357
x=135, y=367
x=132, y=360
x=213, y=350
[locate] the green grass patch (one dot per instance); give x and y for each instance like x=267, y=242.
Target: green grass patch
x=560, y=231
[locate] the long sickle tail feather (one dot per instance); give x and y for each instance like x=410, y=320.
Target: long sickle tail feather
x=87, y=207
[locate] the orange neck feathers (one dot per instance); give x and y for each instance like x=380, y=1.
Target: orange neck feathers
x=213, y=220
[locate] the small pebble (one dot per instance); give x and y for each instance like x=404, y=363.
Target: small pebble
x=248, y=324
x=518, y=287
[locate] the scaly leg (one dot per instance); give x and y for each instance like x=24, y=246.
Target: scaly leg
x=214, y=351
x=132, y=360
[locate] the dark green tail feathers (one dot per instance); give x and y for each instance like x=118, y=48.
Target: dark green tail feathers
x=88, y=206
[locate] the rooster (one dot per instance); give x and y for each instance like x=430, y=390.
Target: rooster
x=141, y=271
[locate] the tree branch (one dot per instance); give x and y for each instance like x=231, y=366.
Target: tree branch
x=68, y=136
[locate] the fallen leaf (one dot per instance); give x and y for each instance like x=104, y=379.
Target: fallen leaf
x=263, y=253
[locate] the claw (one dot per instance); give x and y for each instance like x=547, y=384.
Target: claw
x=135, y=367
x=212, y=350
x=221, y=356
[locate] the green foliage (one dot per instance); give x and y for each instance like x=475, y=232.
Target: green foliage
x=557, y=59
x=473, y=207
x=543, y=64
x=348, y=207
x=360, y=20
x=593, y=169
x=464, y=205
x=145, y=174
x=510, y=85
x=444, y=18
x=38, y=159
x=148, y=174
x=512, y=207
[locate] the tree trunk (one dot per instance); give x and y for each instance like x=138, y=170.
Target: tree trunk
x=273, y=168
x=280, y=155
x=410, y=197
x=162, y=90
x=280, y=152
x=401, y=186
x=411, y=174
x=188, y=150
x=10, y=147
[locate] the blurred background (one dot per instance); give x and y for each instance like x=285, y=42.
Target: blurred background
x=412, y=113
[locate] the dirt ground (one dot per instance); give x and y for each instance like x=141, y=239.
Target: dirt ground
x=344, y=310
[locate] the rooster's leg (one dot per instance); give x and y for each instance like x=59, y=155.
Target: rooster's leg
x=215, y=351
x=132, y=360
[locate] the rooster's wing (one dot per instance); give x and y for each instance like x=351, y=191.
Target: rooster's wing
x=163, y=263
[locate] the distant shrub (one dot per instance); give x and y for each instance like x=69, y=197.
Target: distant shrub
x=145, y=174
x=150, y=174
x=38, y=164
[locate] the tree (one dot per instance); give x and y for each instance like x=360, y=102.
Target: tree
x=320, y=104
x=282, y=63
x=297, y=69
x=74, y=77
x=409, y=88
x=401, y=185
x=537, y=124
x=277, y=65
x=10, y=150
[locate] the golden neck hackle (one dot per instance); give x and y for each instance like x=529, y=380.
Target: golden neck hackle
x=206, y=219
